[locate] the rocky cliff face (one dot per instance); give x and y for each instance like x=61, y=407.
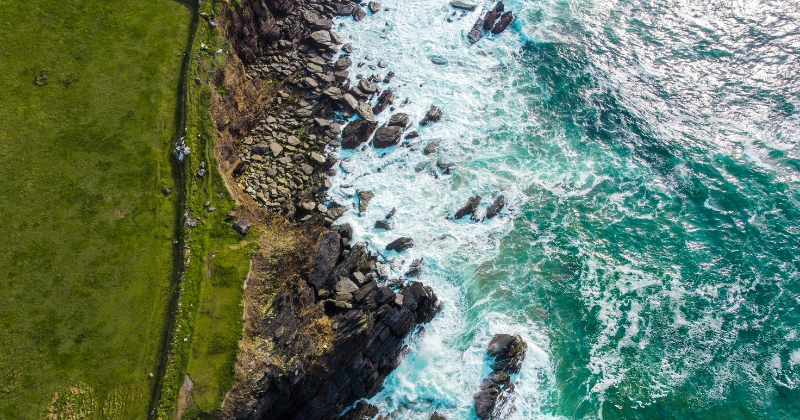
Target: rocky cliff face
x=329, y=337
x=322, y=330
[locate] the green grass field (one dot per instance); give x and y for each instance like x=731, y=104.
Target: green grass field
x=88, y=97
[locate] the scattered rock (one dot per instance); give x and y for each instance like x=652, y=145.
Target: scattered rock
x=400, y=120
x=415, y=269
x=469, y=207
x=357, y=132
x=431, y=147
x=492, y=15
x=434, y=114
x=462, y=5
x=383, y=224
x=242, y=226
x=391, y=213
x=508, y=352
x=495, y=208
x=412, y=135
x=400, y=244
x=364, y=197
x=358, y=13
x=503, y=23
x=476, y=32
x=384, y=99
x=386, y=137
x=374, y=7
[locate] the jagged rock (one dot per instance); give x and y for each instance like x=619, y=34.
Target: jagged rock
x=322, y=264
x=388, y=77
x=431, y=147
x=320, y=38
x=415, y=269
x=437, y=416
x=492, y=15
x=412, y=135
x=351, y=101
x=491, y=399
x=462, y=5
x=469, y=207
x=343, y=63
x=383, y=224
x=384, y=99
x=400, y=244
x=344, y=9
x=386, y=137
x=365, y=111
x=400, y=120
x=362, y=411
x=334, y=93
x=476, y=32
x=495, y=208
x=374, y=7
x=503, y=23
x=348, y=48
x=508, y=352
x=364, y=197
x=358, y=13
x=391, y=213
x=366, y=87
x=434, y=114
x=316, y=21
x=357, y=132
x=242, y=226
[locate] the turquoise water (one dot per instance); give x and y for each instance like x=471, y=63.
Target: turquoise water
x=649, y=253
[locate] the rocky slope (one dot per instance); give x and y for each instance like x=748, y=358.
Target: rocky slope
x=322, y=329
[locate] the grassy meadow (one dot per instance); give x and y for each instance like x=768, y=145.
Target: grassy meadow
x=88, y=99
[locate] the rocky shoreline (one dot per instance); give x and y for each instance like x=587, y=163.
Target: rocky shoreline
x=324, y=324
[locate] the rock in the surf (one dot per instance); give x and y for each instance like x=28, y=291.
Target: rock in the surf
x=503, y=23
x=400, y=244
x=434, y=114
x=508, y=352
x=496, y=206
x=491, y=16
x=357, y=132
x=400, y=120
x=469, y=207
x=364, y=197
x=476, y=32
x=386, y=137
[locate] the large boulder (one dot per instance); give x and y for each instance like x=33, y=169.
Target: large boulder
x=364, y=197
x=400, y=120
x=492, y=15
x=503, y=23
x=386, y=137
x=476, y=32
x=508, y=352
x=400, y=244
x=384, y=99
x=491, y=401
x=321, y=39
x=357, y=132
x=495, y=208
x=434, y=114
x=469, y=207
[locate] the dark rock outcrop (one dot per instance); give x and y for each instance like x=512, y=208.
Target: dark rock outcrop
x=492, y=15
x=364, y=197
x=508, y=352
x=431, y=147
x=494, y=400
x=400, y=120
x=469, y=207
x=385, y=99
x=503, y=23
x=434, y=114
x=330, y=347
x=400, y=244
x=476, y=32
x=357, y=132
x=496, y=206
x=386, y=137
x=462, y=5
x=242, y=226
x=362, y=411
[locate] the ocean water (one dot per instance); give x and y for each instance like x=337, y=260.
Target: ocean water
x=649, y=253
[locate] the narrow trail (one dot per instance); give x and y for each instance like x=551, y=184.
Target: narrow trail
x=178, y=171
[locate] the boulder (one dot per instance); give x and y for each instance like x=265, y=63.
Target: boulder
x=384, y=99
x=434, y=114
x=400, y=244
x=242, y=226
x=508, y=352
x=351, y=101
x=412, y=135
x=431, y=147
x=437, y=416
x=374, y=7
x=345, y=9
x=496, y=206
x=462, y=5
x=492, y=15
x=415, y=269
x=400, y=120
x=357, y=132
x=469, y=207
x=476, y=32
x=320, y=39
x=334, y=93
x=386, y=137
x=365, y=111
x=383, y=224
x=343, y=63
x=358, y=13
x=492, y=398
x=503, y=23
x=364, y=197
